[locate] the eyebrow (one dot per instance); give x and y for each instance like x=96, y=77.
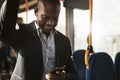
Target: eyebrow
x=48, y=15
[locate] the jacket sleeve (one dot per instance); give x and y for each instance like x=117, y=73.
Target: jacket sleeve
x=8, y=18
x=70, y=68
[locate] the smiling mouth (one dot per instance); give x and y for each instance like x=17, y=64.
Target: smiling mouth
x=48, y=27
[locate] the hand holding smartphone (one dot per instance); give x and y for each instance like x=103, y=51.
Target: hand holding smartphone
x=59, y=70
x=57, y=74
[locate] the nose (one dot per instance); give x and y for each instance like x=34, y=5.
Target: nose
x=50, y=22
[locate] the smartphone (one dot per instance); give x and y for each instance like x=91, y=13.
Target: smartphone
x=59, y=70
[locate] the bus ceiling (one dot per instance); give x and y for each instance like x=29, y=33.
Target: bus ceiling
x=79, y=4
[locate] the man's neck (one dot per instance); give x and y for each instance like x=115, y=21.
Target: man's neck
x=47, y=34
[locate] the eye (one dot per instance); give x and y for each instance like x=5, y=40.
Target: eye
x=45, y=17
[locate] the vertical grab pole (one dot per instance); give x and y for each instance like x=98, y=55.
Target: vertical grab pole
x=89, y=37
x=90, y=34
x=88, y=51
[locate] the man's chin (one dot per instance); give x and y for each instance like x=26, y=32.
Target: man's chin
x=47, y=31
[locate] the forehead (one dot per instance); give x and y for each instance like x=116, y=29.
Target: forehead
x=49, y=8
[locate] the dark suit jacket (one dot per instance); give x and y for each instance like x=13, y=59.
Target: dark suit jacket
x=26, y=40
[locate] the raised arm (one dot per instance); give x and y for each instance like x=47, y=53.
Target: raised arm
x=8, y=13
x=8, y=17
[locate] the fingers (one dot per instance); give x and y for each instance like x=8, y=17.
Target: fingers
x=50, y=76
x=60, y=72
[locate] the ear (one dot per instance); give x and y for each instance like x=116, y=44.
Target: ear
x=35, y=11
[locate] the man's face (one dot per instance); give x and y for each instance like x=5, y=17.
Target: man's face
x=47, y=16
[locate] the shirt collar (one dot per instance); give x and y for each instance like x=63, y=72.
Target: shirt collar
x=36, y=25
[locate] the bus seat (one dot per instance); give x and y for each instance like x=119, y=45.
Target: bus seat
x=117, y=65
x=101, y=67
x=78, y=57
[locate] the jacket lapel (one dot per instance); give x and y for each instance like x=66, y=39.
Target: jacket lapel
x=57, y=48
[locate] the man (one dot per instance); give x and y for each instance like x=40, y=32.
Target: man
x=42, y=48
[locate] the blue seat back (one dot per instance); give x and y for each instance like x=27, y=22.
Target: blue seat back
x=78, y=57
x=117, y=65
x=101, y=67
